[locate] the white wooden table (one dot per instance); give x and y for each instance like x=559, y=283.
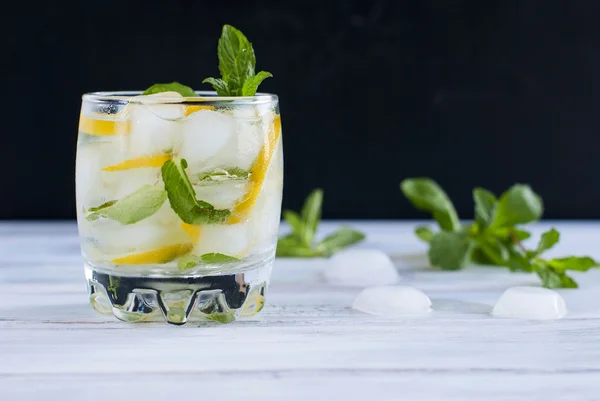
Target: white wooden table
x=307, y=344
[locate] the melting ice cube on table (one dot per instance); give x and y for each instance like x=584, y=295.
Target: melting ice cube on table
x=392, y=300
x=361, y=268
x=530, y=303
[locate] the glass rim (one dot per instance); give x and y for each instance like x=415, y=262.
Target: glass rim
x=125, y=97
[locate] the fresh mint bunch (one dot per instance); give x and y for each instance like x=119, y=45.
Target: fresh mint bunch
x=495, y=237
x=236, y=64
x=300, y=243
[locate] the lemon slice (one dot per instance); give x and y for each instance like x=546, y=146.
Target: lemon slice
x=104, y=125
x=254, y=304
x=242, y=210
x=160, y=255
x=192, y=231
x=192, y=109
x=143, y=161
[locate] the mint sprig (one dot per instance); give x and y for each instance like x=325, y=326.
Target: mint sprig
x=236, y=64
x=426, y=195
x=183, y=90
x=494, y=238
x=182, y=196
x=136, y=206
x=300, y=243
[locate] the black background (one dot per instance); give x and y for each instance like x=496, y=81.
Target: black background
x=471, y=93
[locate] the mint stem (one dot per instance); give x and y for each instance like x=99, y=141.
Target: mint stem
x=517, y=241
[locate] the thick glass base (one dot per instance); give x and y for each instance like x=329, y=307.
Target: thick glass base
x=179, y=299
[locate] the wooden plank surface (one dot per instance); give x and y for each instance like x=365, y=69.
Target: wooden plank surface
x=307, y=344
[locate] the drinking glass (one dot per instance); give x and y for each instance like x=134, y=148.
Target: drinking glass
x=178, y=203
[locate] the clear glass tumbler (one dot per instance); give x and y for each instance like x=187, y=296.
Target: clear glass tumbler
x=178, y=203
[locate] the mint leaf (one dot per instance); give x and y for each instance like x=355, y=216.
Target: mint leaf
x=113, y=285
x=91, y=214
x=236, y=59
x=221, y=317
x=137, y=206
x=485, y=205
x=339, y=240
x=518, y=205
x=189, y=261
x=521, y=235
x=518, y=262
x=450, y=250
x=218, y=85
x=251, y=85
x=478, y=256
x=300, y=242
x=217, y=258
x=290, y=246
x=299, y=251
x=424, y=233
x=578, y=263
x=496, y=252
x=552, y=278
x=182, y=196
x=547, y=241
x=172, y=87
x=425, y=194
x=311, y=214
x=224, y=174
x=509, y=233
x=296, y=223
x=289, y=240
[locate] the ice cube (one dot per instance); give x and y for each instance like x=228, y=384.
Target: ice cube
x=123, y=182
x=267, y=212
x=223, y=194
x=361, y=267
x=530, y=303
x=392, y=300
x=233, y=240
x=277, y=161
x=255, y=112
x=167, y=216
x=249, y=141
x=154, y=127
x=114, y=239
x=204, y=135
x=250, y=135
x=88, y=184
x=91, y=190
